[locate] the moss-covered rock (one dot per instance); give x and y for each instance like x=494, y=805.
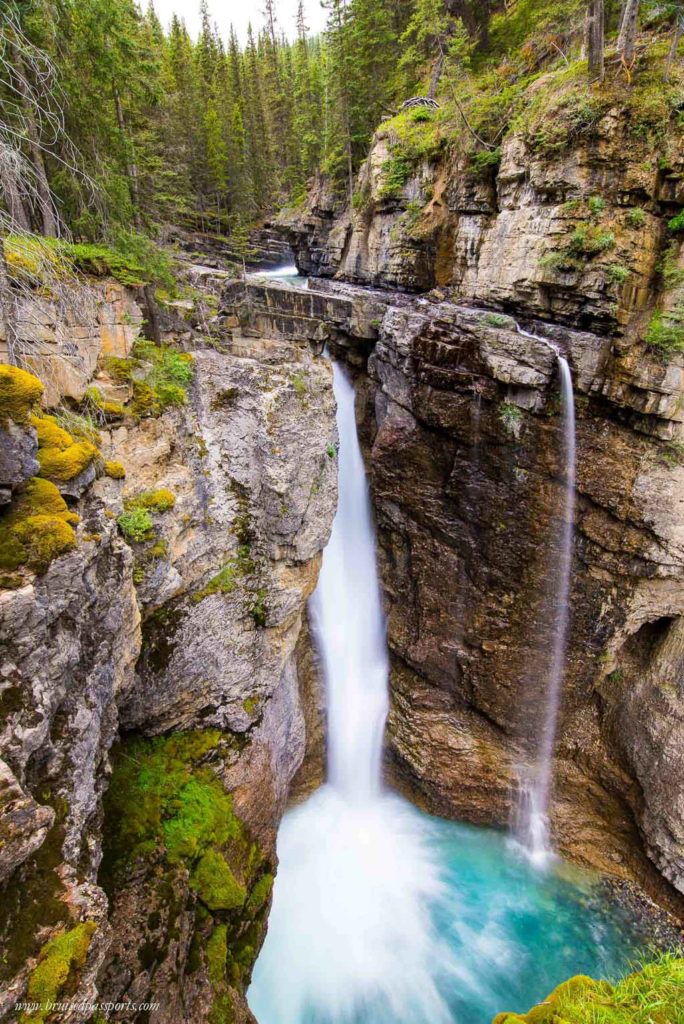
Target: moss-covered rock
x=215, y=883
x=19, y=392
x=37, y=529
x=59, y=962
x=115, y=470
x=61, y=457
x=654, y=995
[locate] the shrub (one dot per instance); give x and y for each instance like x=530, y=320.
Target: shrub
x=665, y=333
x=19, y=392
x=636, y=218
x=588, y=240
x=596, y=205
x=677, y=223
x=616, y=273
x=511, y=417
x=135, y=524
x=395, y=173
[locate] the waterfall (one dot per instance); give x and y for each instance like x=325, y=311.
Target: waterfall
x=351, y=930
x=536, y=790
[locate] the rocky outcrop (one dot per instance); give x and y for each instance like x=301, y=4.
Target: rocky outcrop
x=232, y=491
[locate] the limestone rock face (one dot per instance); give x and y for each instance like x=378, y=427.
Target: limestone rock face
x=188, y=637
x=61, y=339
x=69, y=640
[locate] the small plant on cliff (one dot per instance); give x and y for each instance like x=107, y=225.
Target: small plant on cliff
x=665, y=333
x=636, y=218
x=676, y=224
x=512, y=418
x=672, y=453
x=395, y=173
x=589, y=240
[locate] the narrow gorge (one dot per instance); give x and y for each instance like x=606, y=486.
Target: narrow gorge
x=342, y=561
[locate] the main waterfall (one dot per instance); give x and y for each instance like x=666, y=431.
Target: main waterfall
x=351, y=932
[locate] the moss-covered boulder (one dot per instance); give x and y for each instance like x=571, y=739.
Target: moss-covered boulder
x=37, y=529
x=654, y=995
x=19, y=392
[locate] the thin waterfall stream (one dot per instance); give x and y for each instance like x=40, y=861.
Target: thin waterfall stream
x=383, y=914
x=535, y=787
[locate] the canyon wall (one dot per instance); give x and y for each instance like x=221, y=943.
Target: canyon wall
x=461, y=415
x=152, y=718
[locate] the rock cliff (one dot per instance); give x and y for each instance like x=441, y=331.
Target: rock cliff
x=149, y=656
x=567, y=236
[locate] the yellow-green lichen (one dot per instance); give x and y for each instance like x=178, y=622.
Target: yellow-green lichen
x=37, y=529
x=61, y=458
x=58, y=964
x=116, y=470
x=19, y=392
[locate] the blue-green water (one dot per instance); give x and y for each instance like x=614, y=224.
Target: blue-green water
x=385, y=915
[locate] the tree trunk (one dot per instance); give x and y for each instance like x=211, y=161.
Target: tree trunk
x=151, y=310
x=10, y=163
x=676, y=39
x=131, y=165
x=7, y=309
x=628, y=31
x=595, y=39
x=46, y=206
x=436, y=75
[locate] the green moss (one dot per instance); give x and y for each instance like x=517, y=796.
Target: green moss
x=217, y=954
x=163, y=798
x=159, y=374
x=224, y=582
x=116, y=470
x=58, y=965
x=215, y=883
x=61, y=458
x=37, y=529
x=159, y=500
x=250, y=705
x=654, y=995
x=19, y=392
x=260, y=893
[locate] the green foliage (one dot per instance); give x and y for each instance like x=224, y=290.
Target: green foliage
x=636, y=218
x=511, y=417
x=590, y=240
x=59, y=961
x=672, y=453
x=224, y=582
x=653, y=995
x=596, y=205
x=497, y=320
x=616, y=273
x=665, y=333
x=258, y=608
x=395, y=173
x=676, y=224
x=136, y=524
x=160, y=376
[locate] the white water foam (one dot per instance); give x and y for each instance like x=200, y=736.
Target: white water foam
x=350, y=931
